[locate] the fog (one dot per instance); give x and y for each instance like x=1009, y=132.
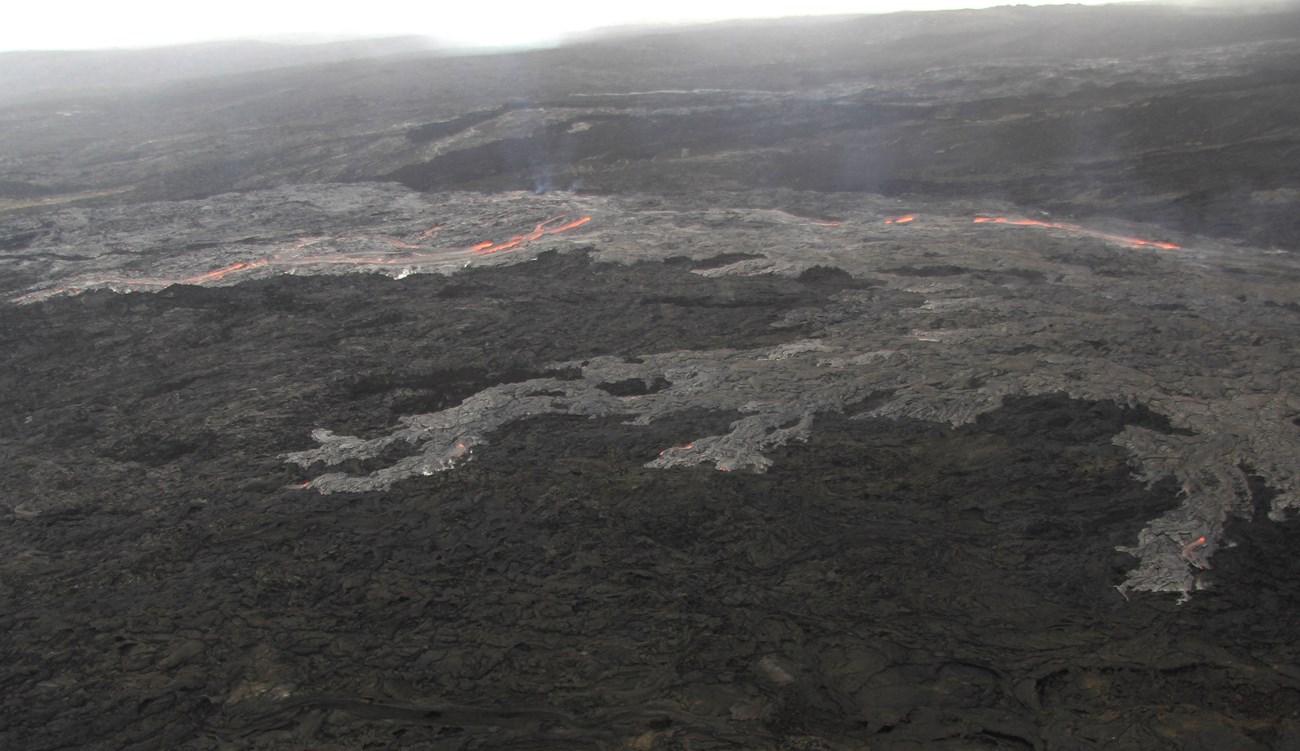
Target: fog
x=149, y=23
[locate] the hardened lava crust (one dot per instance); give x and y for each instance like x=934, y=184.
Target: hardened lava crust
x=923, y=381
x=728, y=473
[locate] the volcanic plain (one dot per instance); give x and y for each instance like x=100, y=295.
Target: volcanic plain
x=923, y=381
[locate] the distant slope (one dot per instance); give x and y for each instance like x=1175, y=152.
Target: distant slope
x=1183, y=117
x=35, y=75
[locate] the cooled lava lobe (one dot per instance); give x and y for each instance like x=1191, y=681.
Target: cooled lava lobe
x=709, y=457
x=511, y=526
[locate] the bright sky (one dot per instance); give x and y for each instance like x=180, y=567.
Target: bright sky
x=87, y=24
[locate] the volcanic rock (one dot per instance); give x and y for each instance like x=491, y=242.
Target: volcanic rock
x=795, y=427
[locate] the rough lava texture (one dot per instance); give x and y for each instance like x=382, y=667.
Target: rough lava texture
x=993, y=311
x=946, y=315
x=706, y=388
x=502, y=522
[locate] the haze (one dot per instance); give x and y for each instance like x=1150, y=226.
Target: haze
x=146, y=23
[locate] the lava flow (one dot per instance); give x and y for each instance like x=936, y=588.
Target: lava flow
x=1136, y=242
x=287, y=259
x=542, y=228
x=215, y=275
x=907, y=219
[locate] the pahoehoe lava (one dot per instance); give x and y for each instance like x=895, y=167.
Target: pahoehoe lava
x=705, y=388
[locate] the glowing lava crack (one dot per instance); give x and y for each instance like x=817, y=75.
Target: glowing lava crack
x=1075, y=229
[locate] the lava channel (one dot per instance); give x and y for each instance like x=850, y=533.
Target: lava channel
x=547, y=227
x=286, y=259
x=1136, y=242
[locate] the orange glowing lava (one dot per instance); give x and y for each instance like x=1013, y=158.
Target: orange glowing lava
x=687, y=447
x=907, y=219
x=212, y=276
x=542, y=228
x=287, y=259
x=1136, y=242
x=1190, y=548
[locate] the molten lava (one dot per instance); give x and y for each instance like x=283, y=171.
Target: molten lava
x=906, y=219
x=542, y=228
x=1076, y=229
x=210, y=276
x=286, y=258
x=1189, y=550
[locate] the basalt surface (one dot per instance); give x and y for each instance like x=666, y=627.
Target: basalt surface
x=774, y=469
x=1187, y=119
x=709, y=388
